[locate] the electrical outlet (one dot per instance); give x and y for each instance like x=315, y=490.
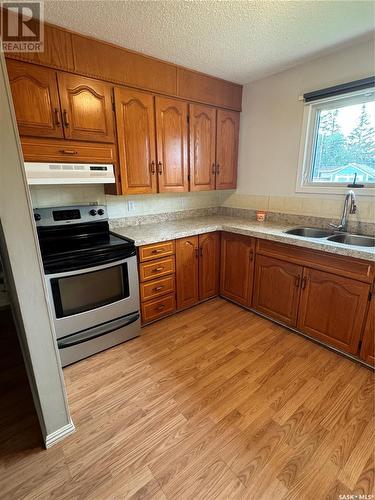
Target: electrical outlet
x=131, y=205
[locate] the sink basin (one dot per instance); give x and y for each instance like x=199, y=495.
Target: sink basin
x=310, y=232
x=352, y=239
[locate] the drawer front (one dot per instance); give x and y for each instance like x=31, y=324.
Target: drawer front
x=156, y=250
x=48, y=150
x=155, y=309
x=156, y=288
x=156, y=268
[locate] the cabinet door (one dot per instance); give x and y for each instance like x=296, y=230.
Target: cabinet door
x=136, y=141
x=209, y=265
x=86, y=108
x=202, y=132
x=35, y=100
x=276, y=289
x=368, y=341
x=227, y=149
x=172, y=144
x=332, y=309
x=187, y=271
x=237, y=266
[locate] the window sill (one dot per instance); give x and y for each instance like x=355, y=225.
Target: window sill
x=316, y=189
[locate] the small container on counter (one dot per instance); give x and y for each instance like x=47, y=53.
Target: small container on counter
x=260, y=215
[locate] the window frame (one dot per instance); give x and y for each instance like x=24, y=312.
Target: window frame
x=304, y=182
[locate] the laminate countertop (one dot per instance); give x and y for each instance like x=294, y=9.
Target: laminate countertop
x=145, y=234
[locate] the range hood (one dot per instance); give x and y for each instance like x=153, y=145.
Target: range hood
x=69, y=173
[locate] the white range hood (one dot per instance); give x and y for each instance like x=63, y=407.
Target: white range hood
x=69, y=173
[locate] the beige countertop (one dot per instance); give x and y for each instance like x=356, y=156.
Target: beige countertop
x=163, y=231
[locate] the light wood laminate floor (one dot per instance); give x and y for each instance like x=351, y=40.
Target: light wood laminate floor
x=212, y=403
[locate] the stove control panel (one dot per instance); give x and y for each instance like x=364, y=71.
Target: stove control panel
x=76, y=214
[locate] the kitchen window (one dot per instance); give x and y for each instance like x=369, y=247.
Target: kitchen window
x=338, y=139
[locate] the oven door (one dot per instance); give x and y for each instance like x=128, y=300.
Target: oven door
x=86, y=298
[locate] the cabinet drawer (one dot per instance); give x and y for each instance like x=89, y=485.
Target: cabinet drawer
x=156, y=250
x=156, y=288
x=156, y=268
x=64, y=151
x=157, y=308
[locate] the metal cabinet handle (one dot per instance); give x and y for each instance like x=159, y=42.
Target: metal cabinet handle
x=158, y=269
x=197, y=252
x=68, y=151
x=213, y=169
x=304, y=282
x=251, y=254
x=160, y=308
x=152, y=168
x=57, y=118
x=65, y=118
x=217, y=169
x=298, y=281
x=160, y=167
x=201, y=251
x=156, y=250
x=158, y=288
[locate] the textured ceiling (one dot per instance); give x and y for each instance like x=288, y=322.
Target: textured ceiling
x=236, y=40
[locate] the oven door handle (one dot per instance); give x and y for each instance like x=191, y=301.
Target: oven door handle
x=97, y=331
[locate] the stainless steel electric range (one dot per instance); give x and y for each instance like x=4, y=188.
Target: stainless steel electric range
x=92, y=280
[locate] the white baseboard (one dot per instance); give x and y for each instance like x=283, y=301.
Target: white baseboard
x=58, y=435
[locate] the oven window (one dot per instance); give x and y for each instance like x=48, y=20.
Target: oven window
x=87, y=291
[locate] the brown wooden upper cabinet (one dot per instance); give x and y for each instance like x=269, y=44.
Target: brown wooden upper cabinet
x=151, y=159
x=332, y=308
x=202, y=128
x=197, y=268
x=35, y=99
x=368, y=342
x=227, y=132
x=237, y=266
x=277, y=288
x=172, y=144
x=135, y=119
x=86, y=107
x=60, y=105
x=213, y=148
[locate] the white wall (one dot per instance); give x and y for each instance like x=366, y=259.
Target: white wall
x=271, y=128
x=23, y=267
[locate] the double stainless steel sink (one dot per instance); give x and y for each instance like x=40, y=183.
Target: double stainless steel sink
x=341, y=238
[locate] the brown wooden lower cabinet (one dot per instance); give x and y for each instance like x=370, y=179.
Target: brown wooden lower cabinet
x=197, y=268
x=209, y=265
x=187, y=271
x=332, y=309
x=237, y=264
x=368, y=341
x=277, y=289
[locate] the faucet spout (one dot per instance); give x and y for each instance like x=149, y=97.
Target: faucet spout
x=350, y=207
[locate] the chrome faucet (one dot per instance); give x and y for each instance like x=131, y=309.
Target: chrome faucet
x=349, y=208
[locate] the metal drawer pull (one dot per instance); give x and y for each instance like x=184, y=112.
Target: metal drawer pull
x=160, y=167
x=158, y=269
x=68, y=151
x=213, y=169
x=152, y=167
x=158, y=250
x=158, y=288
x=161, y=307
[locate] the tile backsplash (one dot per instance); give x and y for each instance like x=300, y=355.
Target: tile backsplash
x=141, y=205
x=126, y=206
